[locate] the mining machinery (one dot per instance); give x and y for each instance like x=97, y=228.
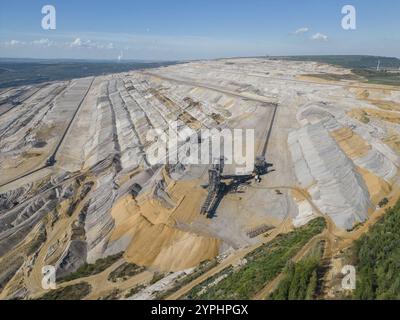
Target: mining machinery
x=219, y=184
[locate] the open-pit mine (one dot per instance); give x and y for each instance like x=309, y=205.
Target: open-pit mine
x=79, y=194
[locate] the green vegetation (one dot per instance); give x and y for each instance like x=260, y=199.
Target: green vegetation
x=125, y=271
x=383, y=202
x=157, y=276
x=180, y=282
x=113, y=295
x=379, y=77
x=73, y=292
x=356, y=226
x=263, y=265
x=301, y=280
x=135, y=290
x=369, y=76
x=363, y=68
x=350, y=61
x=377, y=258
x=91, y=269
x=364, y=119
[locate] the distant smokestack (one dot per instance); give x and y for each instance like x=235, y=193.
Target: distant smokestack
x=121, y=55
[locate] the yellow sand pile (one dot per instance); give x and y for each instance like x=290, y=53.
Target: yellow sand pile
x=157, y=241
x=355, y=147
x=351, y=143
x=388, y=116
x=377, y=187
x=372, y=91
x=317, y=79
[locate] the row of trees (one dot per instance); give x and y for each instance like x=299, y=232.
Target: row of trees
x=377, y=257
x=301, y=279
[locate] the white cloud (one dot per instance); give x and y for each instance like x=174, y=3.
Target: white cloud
x=14, y=43
x=79, y=43
x=319, y=37
x=103, y=46
x=47, y=43
x=43, y=42
x=301, y=30
x=76, y=43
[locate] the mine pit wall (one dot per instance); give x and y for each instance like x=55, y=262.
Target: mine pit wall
x=99, y=222
x=17, y=238
x=128, y=142
x=18, y=139
x=47, y=123
x=75, y=151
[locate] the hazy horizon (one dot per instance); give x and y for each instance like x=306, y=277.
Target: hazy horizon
x=180, y=30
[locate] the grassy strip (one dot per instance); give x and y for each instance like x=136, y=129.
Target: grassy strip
x=125, y=271
x=379, y=77
x=179, y=283
x=73, y=292
x=91, y=269
x=350, y=61
x=263, y=265
x=368, y=76
x=157, y=276
x=134, y=290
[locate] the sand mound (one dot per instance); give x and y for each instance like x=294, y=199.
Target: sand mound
x=377, y=187
x=155, y=239
x=371, y=165
x=351, y=143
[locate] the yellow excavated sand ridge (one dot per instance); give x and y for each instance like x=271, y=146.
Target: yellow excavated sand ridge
x=315, y=79
x=377, y=187
x=156, y=241
x=388, y=116
x=351, y=143
x=355, y=147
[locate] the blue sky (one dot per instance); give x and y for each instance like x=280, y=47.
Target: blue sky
x=193, y=29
